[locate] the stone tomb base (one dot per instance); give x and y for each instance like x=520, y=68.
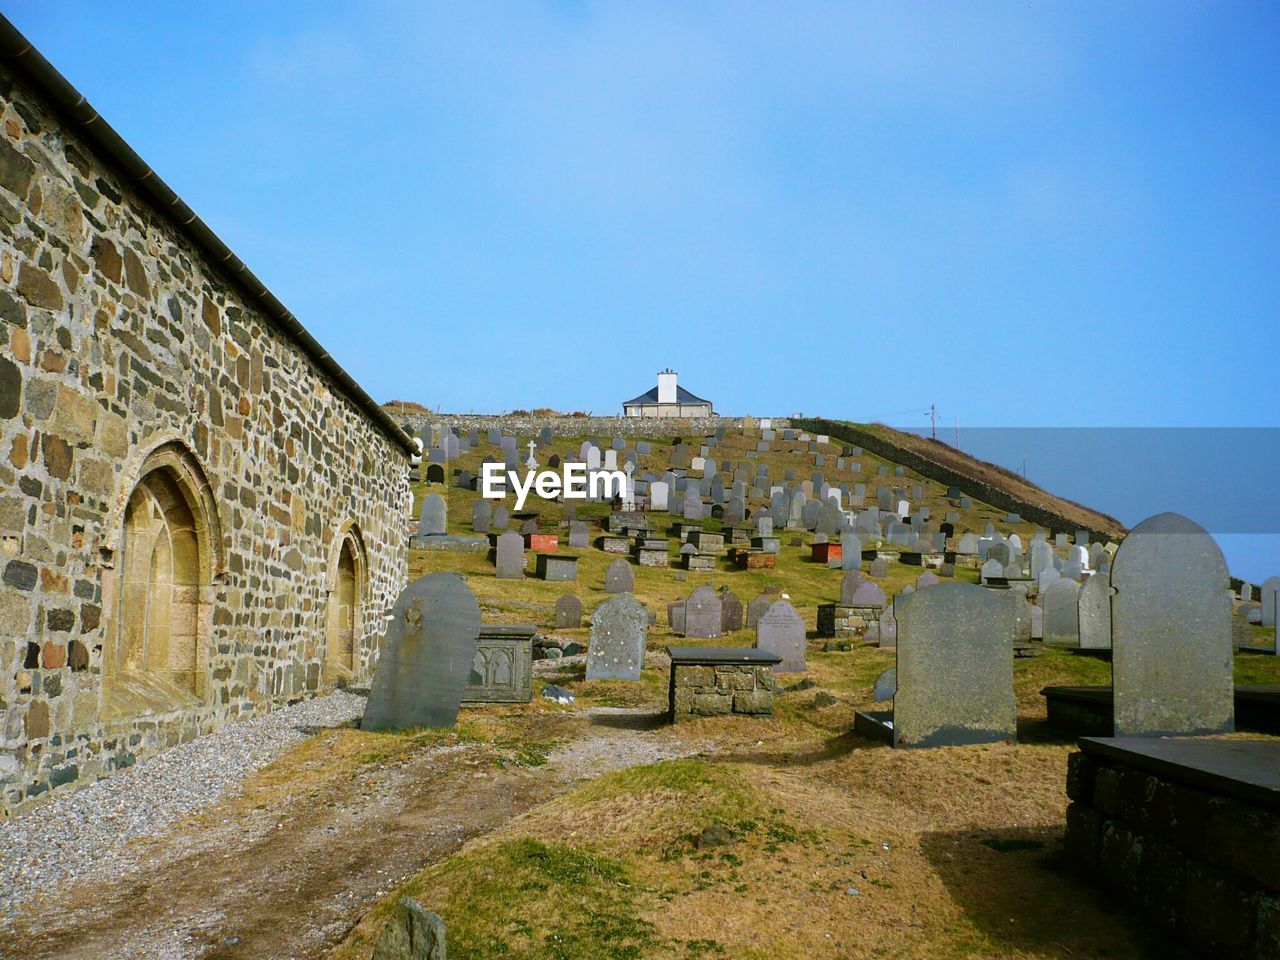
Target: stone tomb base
x=1088, y=711
x=716, y=681
x=556, y=567
x=835, y=620
x=1186, y=831
x=502, y=668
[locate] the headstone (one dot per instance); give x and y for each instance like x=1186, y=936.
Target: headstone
x=888, y=632
x=481, y=514
x=1172, y=664
x=879, y=568
x=426, y=656
x=849, y=584
x=868, y=594
x=432, y=516
x=509, y=556
x=568, y=612
x=619, y=627
x=756, y=609
x=619, y=578
x=658, y=493
x=703, y=614
x=1270, y=593
x=886, y=686
x=1061, y=603
x=730, y=612
x=1095, y=613
x=955, y=667
x=501, y=518
x=780, y=630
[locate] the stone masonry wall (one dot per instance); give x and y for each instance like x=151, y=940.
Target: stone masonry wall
x=528, y=425
x=117, y=338
x=1205, y=869
x=712, y=690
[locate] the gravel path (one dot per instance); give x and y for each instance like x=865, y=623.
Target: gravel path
x=83, y=835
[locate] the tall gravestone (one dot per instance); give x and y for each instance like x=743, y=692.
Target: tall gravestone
x=432, y=516
x=1061, y=602
x=955, y=667
x=702, y=614
x=426, y=656
x=1171, y=632
x=481, y=514
x=568, y=612
x=780, y=630
x=1270, y=590
x=730, y=612
x=619, y=578
x=1095, y=613
x=579, y=535
x=619, y=627
x=509, y=556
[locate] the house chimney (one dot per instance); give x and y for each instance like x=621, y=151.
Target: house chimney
x=667, y=386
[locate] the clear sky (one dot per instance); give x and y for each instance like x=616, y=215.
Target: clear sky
x=1030, y=214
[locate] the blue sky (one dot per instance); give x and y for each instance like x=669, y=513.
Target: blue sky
x=1030, y=214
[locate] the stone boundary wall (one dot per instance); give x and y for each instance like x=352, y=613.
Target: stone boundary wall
x=1202, y=868
x=972, y=487
x=119, y=339
x=529, y=426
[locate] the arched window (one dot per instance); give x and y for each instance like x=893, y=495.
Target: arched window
x=346, y=593
x=157, y=655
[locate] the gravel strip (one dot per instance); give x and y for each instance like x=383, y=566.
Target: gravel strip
x=81, y=835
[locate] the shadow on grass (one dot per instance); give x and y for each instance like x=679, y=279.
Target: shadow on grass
x=1016, y=890
x=622, y=718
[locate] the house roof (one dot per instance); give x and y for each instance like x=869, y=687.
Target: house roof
x=75, y=110
x=651, y=396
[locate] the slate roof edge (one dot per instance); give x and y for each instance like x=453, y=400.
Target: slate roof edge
x=72, y=106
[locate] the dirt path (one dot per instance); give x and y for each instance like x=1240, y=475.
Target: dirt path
x=289, y=876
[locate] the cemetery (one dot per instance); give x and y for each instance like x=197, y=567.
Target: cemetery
x=288, y=673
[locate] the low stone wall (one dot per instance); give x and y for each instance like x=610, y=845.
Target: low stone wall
x=1204, y=868
x=529, y=425
x=714, y=690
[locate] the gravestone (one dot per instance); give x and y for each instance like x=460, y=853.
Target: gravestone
x=481, y=514
x=756, y=609
x=658, y=493
x=432, y=516
x=955, y=667
x=619, y=627
x=879, y=568
x=619, y=578
x=730, y=612
x=579, y=534
x=1061, y=603
x=780, y=630
x=501, y=517
x=886, y=686
x=850, y=551
x=868, y=595
x=703, y=614
x=568, y=612
x=1171, y=632
x=888, y=628
x=1095, y=613
x=1270, y=592
x=426, y=656
x=509, y=556
x=849, y=584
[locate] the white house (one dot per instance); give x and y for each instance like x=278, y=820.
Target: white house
x=667, y=399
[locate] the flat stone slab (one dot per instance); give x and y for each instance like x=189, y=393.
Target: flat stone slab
x=450, y=544
x=683, y=655
x=1247, y=770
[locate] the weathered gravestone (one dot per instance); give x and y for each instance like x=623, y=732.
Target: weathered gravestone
x=481, y=514
x=426, y=656
x=955, y=667
x=703, y=614
x=568, y=612
x=619, y=578
x=509, y=556
x=1270, y=595
x=868, y=596
x=849, y=584
x=756, y=609
x=886, y=686
x=579, y=535
x=888, y=628
x=1095, y=613
x=879, y=568
x=432, y=516
x=1061, y=602
x=780, y=630
x=619, y=627
x=730, y=612
x=1171, y=632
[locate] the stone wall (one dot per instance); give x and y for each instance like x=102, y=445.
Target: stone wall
x=137, y=378
x=528, y=425
x=712, y=690
x=1202, y=868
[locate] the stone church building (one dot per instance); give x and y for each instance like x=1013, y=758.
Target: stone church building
x=202, y=516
